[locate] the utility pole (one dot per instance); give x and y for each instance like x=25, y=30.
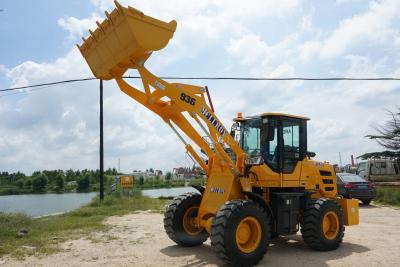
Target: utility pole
x=340, y=160
x=101, y=144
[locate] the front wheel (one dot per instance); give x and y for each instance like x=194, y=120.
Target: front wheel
x=322, y=224
x=240, y=233
x=180, y=221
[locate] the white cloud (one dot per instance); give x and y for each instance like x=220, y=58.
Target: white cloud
x=397, y=41
x=372, y=26
x=309, y=49
x=72, y=65
x=78, y=27
x=252, y=50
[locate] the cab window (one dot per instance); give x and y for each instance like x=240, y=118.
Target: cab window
x=251, y=137
x=291, y=145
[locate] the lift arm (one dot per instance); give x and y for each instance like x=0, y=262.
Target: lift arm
x=171, y=101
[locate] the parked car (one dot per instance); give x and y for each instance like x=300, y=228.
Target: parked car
x=354, y=186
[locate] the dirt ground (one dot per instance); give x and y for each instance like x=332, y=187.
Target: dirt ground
x=139, y=240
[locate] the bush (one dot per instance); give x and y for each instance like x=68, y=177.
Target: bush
x=28, y=184
x=388, y=195
x=39, y=183
x=19, y=183
x=59, y=182
x=83, y=183
x=10, y=191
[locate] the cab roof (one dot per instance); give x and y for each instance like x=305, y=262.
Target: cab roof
x=271, y=114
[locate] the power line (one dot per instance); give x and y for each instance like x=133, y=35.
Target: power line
x=216, y=78
x=45, y=84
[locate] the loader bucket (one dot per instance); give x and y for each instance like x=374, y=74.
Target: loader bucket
x=125, y=39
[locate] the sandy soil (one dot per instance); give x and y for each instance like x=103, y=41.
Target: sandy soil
x=139, y=240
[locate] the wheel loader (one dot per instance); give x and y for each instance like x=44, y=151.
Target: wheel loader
x=261, y=179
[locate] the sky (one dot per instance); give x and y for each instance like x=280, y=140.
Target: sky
x=58, y=127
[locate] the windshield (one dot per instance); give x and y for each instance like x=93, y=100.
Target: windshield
x=362, y=166
x=251, y=137
x=349, y=178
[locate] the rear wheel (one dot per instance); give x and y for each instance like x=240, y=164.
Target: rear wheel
x=322, y=224
x=180, y=221
x=240, y=233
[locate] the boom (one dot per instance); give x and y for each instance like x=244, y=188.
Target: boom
x=171, y=101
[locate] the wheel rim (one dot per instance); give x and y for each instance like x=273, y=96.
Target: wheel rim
x=189, y=221
x=248, y=234
x=330, y=225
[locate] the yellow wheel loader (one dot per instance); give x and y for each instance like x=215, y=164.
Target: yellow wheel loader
x=261, y=180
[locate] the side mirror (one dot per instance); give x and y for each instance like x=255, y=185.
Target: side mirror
x=234, y=127
x=311, y=154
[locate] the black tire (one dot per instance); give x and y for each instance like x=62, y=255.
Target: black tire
x=366, y=201
x=173, y=220
x=312, y=224
x=223, y=232
x=274, y=235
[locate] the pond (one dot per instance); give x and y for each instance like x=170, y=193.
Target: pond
x=45, y=204
x=167, y=192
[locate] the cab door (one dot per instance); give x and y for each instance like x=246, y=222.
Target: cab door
x=292, y=150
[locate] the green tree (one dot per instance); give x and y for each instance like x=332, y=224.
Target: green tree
x=59, y=182
x=20, y=183
x=51, y=175
x=388, y=134
x=70, y=175
x=141, y=180
x=168, y=176
x=39, y=183
x=83, y=183
x=28, y=184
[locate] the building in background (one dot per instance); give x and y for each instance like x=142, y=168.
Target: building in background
x=187, y=173
x=148, y=174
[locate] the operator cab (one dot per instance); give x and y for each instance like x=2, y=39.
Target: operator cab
x=276, y=139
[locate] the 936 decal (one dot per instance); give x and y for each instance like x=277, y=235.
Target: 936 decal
x=188, y=99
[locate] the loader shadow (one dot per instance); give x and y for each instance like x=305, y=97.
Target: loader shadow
x=292, y=251
x=203, y=255
x=283, y=251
